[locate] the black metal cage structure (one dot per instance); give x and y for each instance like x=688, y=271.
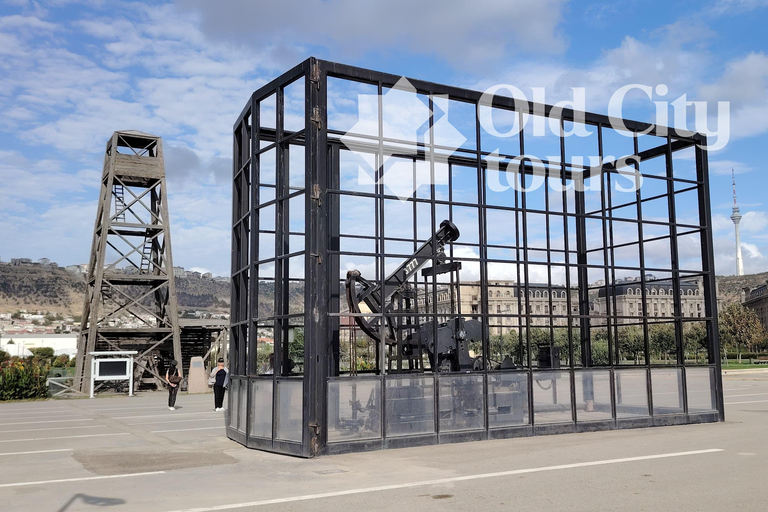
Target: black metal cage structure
x=415, y=263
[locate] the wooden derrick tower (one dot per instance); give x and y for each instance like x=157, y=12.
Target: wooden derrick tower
x=130, y=297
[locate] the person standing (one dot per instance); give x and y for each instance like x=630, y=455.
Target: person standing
x=220, y=377
x=173, y=379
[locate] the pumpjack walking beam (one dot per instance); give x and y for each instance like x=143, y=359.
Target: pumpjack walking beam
x=130, y=299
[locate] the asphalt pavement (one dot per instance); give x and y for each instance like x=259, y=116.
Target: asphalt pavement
x=125, y=454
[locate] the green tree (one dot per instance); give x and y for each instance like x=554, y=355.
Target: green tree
x=16, y=315
x=503, y=345
x=42, y=355
x=598, y=340
x=296, y=347
x=662, y=340
x=61, y=361
x=740, y=327
x=631, y=342
x=695, y=338
x=4, y=356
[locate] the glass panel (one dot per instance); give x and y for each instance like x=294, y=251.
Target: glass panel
x=234, y=393
x=700, y=383
x=261, y=408
x=630, y=339
x=242, y=412
x=552, y=397
x=267, y=174
x=695, y=338
x=289, y=410
x=265, y=347
x=293, y=101
x=667, y=390
x=354, y=410
x=461, y=403
x=631, y=393
x=508, y=399
x=268, y=112
x=593, y=395
x=661, y=336
x=410, y=406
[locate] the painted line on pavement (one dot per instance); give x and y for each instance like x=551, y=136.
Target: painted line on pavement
x=440, y=481
x=751, y=402
x=48, y=413
x=148, y=410
x=187, y=429
x=748, y=394
x=51, y=428
x=83, y=479
x=63, y=437
x=175, y=421
x=170, y=413
x=46, y=421
x=132, y=405
x=38, y=451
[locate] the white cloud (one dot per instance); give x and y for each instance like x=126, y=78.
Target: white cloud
x=754, y=222
x=721, y=222
x=459, y=32
x=724, y=167
x=737, y=6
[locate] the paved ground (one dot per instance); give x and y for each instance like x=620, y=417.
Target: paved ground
x=133, y=454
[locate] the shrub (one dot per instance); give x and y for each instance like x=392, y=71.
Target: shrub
x=4, y=356
x=61, y=361
x=42, y=352
x=22, y=380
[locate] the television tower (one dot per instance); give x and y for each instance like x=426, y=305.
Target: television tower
x=736, y=218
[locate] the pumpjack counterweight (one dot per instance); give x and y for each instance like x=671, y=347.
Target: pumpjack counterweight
x=130, y=299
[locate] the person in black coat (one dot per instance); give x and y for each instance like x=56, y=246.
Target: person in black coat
x=173, y=379
x=220, y=378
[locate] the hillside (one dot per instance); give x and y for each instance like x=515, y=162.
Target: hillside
x=729, y=287
x=40, y=288
x=34, y=287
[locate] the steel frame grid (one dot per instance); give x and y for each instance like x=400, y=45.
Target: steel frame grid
x=322, y=234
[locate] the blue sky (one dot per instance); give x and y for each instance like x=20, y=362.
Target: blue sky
x=72, y=72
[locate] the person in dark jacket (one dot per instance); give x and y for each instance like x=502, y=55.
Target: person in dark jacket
x=220, y=377
x=173, y=379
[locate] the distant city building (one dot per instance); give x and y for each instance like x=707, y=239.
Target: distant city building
x=178, y=272
x=507, y=303
x=44, y=261
x=207, y=275
x=21, y=342
x=20, y=261
x=659, y=302
x=756, y=299
x=77, y=269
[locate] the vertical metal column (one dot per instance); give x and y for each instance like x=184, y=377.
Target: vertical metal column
x=316, y=349
x=708, y=266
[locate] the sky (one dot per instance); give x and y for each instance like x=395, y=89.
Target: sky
x=74, y=71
